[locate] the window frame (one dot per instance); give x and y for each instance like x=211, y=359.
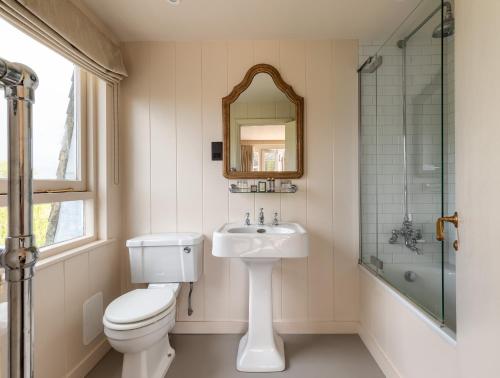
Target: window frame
x=82, y=189
x=80, y=184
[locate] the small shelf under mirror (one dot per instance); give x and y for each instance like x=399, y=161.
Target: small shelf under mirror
x=292, y=189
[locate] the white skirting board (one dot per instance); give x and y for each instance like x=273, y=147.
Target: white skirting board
x=378, y=354
x=239, y=327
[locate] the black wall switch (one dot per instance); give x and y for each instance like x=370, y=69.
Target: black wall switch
x=216, y=151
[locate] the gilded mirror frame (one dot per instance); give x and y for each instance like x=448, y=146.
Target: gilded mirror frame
x=297, y=100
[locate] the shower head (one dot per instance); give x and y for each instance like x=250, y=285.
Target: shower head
x=371, y=64
x=448, y=27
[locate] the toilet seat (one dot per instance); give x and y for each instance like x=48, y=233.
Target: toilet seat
x=137, y=325
x=139, y=308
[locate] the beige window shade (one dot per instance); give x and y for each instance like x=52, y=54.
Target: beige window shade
x=62, y=26
x=65, y=28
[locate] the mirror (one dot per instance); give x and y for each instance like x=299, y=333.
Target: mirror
x=263, y=127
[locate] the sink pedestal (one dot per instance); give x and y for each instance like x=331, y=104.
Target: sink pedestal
x=261, y=349
x=260, y=247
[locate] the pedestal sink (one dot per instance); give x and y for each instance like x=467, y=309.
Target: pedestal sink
x=259, y=247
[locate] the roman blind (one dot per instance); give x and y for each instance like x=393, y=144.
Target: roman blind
x=63, y=26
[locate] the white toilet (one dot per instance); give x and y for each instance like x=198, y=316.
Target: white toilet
x=137, y=323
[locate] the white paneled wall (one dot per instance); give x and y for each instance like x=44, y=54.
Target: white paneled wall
x=62, y=285
x=171, y=112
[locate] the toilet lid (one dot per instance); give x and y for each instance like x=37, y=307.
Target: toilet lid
x=138, y=305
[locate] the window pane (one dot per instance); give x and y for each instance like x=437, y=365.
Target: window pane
x=54, y=126
x=52, y=222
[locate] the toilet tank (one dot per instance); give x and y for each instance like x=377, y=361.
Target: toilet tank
x=168, y=257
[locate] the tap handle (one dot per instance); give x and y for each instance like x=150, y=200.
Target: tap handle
x=261, y=216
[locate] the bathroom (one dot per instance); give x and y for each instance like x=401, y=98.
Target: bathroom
x=218, y=191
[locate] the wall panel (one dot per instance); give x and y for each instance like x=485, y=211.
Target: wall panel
x=62, y=284
x=319, y=166
x=188, y=118
x=345, y=189
x=163, y=137
x=48, y=299
x=215, y=193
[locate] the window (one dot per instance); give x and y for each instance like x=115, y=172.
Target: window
x=63, y=202
x=267, y=144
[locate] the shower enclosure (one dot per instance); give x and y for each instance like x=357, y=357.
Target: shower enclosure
x=407, y=158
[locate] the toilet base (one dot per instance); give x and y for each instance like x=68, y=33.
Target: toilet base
x=151, y=363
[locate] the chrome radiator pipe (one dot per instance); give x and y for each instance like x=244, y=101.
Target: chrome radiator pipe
x=20, y=255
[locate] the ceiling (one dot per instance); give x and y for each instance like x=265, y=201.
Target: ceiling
x=157, y=20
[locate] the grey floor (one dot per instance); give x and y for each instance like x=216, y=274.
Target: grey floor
x=214, y=356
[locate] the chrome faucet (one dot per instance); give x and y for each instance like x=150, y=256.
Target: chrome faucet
x=247, y=219
x=275, y=219
x=261, y=216
x=410, y=234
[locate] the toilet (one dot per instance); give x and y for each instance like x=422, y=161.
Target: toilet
x=137, y=323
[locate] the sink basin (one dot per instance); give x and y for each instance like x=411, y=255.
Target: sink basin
x=287, y=240
x=260, y=230
x=261, y=349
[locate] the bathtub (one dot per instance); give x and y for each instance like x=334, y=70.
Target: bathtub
x=421, y=282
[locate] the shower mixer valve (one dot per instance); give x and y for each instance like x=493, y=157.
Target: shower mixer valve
x=411, y=236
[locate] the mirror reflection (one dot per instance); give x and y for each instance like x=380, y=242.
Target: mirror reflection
x=263, y=129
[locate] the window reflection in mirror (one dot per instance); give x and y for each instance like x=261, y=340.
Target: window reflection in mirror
x=263, y=148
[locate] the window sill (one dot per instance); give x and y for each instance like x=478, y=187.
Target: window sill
x=55, y=249
x=65, y=251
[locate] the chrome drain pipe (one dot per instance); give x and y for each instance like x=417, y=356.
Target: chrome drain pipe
x=20, y=254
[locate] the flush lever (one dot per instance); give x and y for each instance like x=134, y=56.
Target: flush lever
x=440, y=228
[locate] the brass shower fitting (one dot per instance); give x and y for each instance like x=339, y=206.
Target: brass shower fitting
x=440, y=228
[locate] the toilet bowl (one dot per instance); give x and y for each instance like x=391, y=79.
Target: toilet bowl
x=137, y=324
